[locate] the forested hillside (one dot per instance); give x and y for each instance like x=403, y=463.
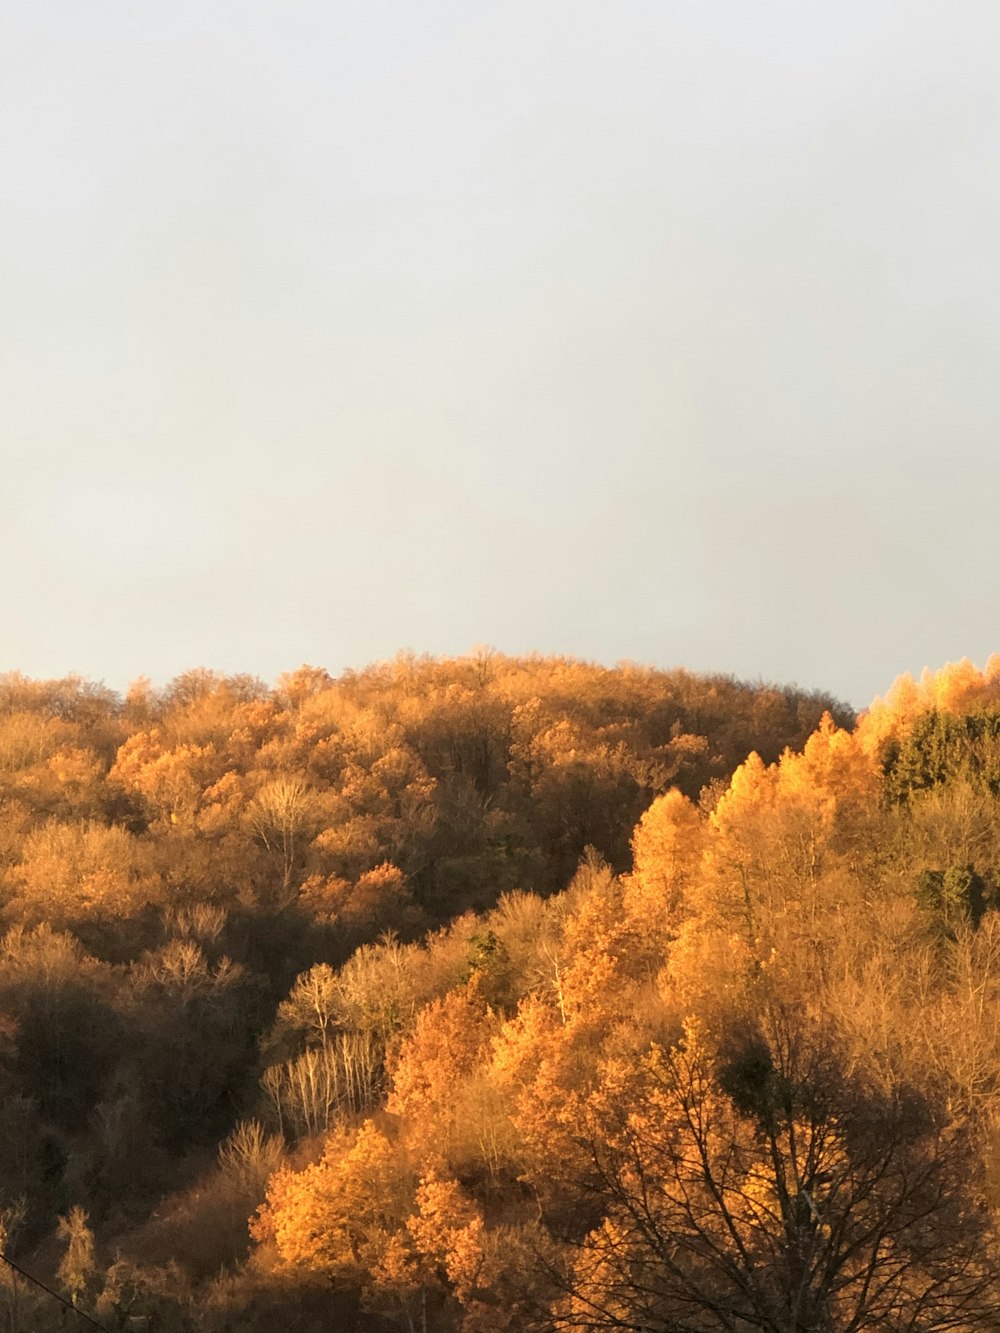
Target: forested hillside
x=500, y=994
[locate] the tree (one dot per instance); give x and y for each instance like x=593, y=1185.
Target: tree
x=85, y=875
x=197, y=1021
x=76, y=1269
x=667, y=847
x=281, y=815
x=765, y=1189
x=431, y=1070
x=67, y=1033
x=307, y=1092
x=336, y=1216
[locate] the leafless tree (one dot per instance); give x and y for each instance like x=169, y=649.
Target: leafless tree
x=768, y=1191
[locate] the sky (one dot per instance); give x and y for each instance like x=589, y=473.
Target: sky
x=654, y=331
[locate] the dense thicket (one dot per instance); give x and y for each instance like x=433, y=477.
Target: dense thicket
x=306, y=957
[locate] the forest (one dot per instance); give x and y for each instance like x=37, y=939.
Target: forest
x=499, y=995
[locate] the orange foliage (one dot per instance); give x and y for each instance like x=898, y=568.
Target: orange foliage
x=448, y=1233
x=541, y=1069
x=667, y=847
x=955, y=688
x=170, y=780
x=337, y=1216
x=379, y=900
x=431, y=1067
x=74, y=872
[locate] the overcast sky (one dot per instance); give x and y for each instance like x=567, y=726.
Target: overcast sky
x=661, y=331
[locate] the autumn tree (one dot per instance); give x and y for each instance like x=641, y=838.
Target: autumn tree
x=336, y=1217
x=76, y=1268
x=88, y=877
x=430, y=1075
x=379, y=900
x=667, y=847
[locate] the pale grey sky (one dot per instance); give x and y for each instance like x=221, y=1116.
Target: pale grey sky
x=663, y=331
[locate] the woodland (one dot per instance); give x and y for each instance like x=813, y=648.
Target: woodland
x=499, y=995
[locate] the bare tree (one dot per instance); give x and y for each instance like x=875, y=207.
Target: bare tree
x=281, y=814
x=770, y=1192
x=306, y=1094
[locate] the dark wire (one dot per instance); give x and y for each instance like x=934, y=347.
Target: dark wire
x=68, y=1304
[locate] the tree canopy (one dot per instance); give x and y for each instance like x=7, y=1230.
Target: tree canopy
x=502, y=994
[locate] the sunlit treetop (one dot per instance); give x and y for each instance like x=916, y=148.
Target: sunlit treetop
x=958, y=687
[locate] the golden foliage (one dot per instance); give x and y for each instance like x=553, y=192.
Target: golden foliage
x=956, y=688
x=337, y=1217
x=431, y=1068
x=73, y=872
x=667, y=847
